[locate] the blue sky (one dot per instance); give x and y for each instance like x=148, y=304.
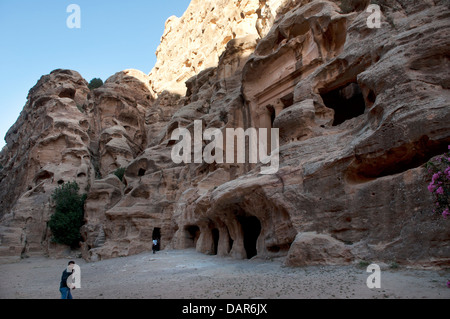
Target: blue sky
x=114, y=36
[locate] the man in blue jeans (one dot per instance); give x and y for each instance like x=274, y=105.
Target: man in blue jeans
x=63, y=288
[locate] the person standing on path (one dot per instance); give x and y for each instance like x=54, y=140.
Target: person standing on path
x=64, y=289
x=155, y=245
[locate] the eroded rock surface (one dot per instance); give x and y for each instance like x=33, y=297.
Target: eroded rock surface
x=47, y=146
x=195, y=41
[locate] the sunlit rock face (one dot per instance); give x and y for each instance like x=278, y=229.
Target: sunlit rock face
x=117, y=119
x=46, y=147
x=196, y=40
x=359, y=111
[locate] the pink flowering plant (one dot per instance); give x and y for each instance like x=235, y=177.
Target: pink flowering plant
x=439, y=169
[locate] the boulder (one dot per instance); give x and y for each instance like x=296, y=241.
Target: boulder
x=311, y=249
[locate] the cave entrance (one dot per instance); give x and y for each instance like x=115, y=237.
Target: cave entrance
x=68, y=93
x=271, y=113
x=273, y=110
x=287, y=100
x=251, y=227
x=157, y=235
x=215, y=234
x=347, y=102
x=192, y=235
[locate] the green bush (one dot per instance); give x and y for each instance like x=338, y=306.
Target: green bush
x=120, y=172
x=95, y=83
x=65, y=223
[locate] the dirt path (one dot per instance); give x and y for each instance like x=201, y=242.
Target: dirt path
x=187, y=274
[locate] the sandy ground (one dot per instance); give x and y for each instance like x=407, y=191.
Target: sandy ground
x=186, y=274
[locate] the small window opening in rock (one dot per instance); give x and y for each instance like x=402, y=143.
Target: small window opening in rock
x=60, y=182
x=43, y=176
x=347, y=102
x=287, y=100
x=280, y=38
x=274, y=249
x=371, y=97
x=141, y=172
x=215, y=234
x=251, y=227
x=69, y=93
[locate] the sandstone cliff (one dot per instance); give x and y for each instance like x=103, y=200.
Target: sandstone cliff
x=195, y=41
x=359, y=112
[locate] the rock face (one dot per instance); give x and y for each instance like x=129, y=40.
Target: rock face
x=359, y=111
x=47, y=146
x=66, y=133
x=117, y=114
x=195, y=41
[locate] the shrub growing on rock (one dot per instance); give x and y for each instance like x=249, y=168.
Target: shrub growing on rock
x=120, y=172
x=95, y=83
x=65, y=223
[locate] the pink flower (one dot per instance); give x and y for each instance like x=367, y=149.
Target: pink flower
x=436, y=176
x=445, y=213
x=440, y=190
x=448, y=283
x=431, y=187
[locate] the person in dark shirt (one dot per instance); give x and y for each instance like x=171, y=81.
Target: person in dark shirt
x=63, y=288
